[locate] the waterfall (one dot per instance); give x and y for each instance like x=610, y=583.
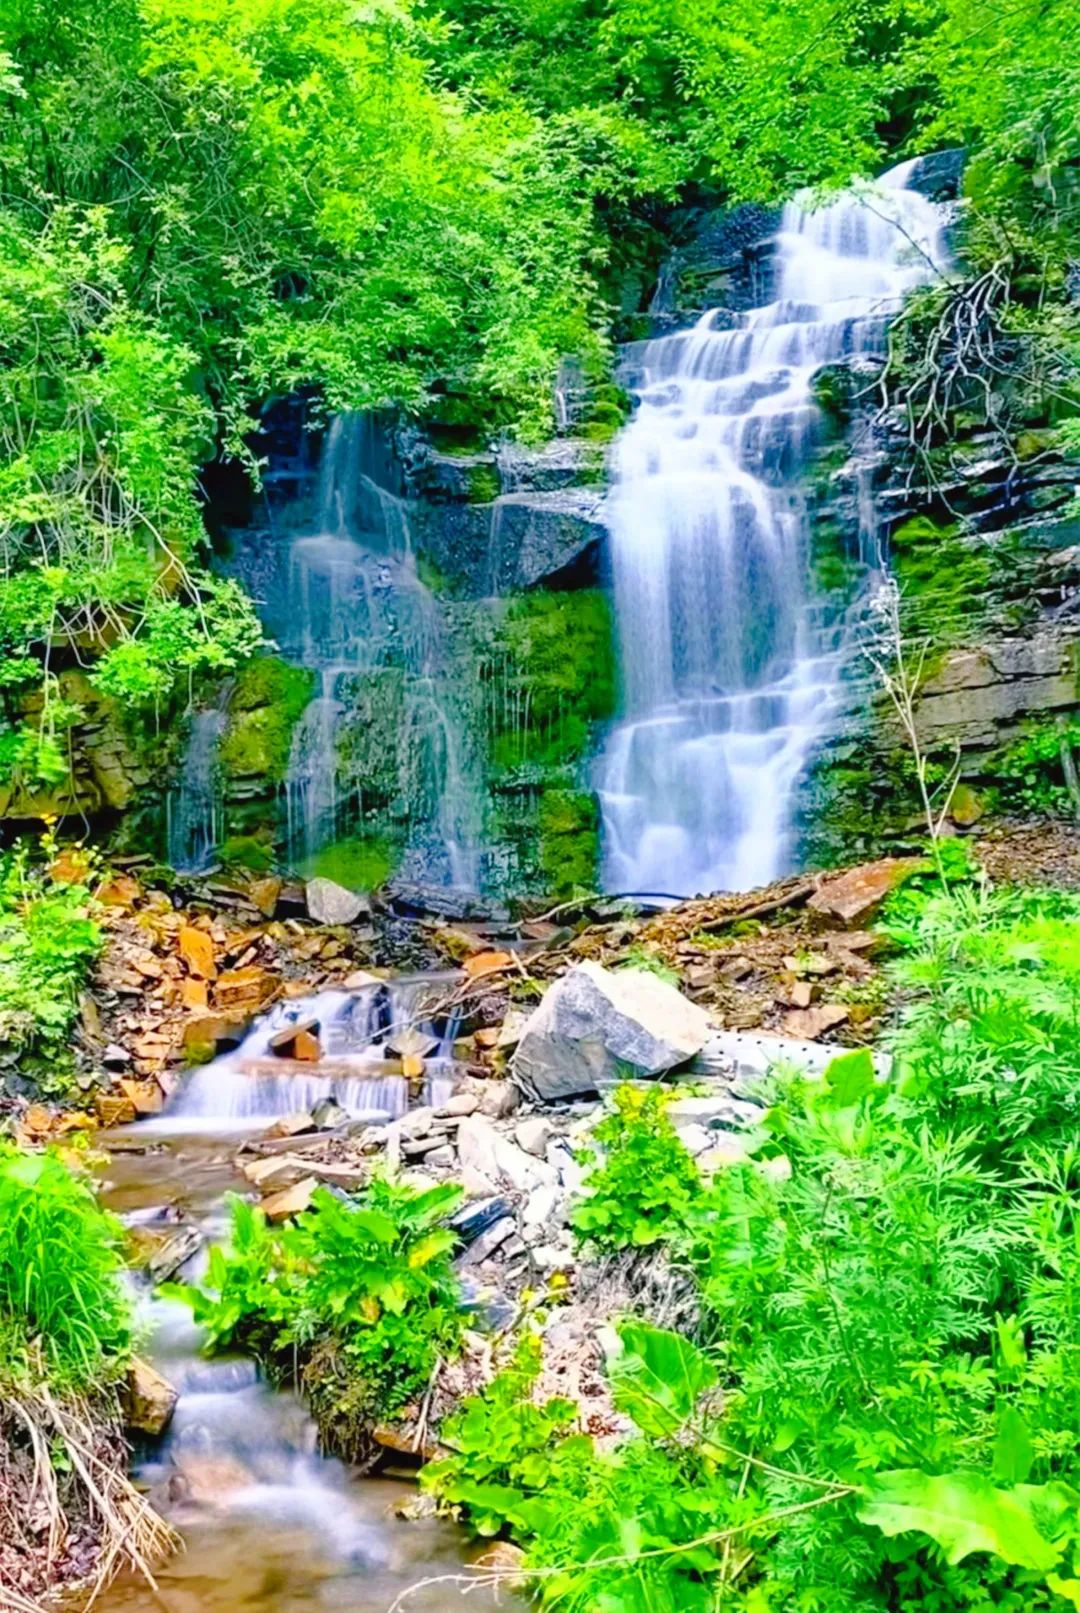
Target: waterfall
x=727, y=679
x=356, y=606
x=358, y=1034
x=193, y=808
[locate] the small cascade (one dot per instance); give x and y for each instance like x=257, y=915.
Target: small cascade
x=356, y=609
x=728, y=678
x=358, y=1033
x=193, y=808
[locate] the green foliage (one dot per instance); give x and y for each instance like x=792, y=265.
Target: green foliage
x=505, y=1446
x=60, y=1265
x=49, y=938
x=643, y=1181
x=888, y=1316
x=639, y=956
x=1031, y=769
x=370, y=1278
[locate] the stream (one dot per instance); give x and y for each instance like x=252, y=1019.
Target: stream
x=269, y=1524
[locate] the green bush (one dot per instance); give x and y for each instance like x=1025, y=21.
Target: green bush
x=504, y=1445
x=60, y=1265
x=370, y=1278
x=49, y=938
x=643, y=1180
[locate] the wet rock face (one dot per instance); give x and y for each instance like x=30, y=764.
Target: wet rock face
x=596, y=1027
x=976, y=693
x=500, y=523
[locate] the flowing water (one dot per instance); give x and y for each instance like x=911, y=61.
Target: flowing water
x=355, y=607
x=194, y=808
x=270, y=1525
x=728, y=680
x=360, y=1033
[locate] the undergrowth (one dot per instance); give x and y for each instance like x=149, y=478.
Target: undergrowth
x=66, y=1504
x=49, y=938
x=878, y=1413
x=366, y=1282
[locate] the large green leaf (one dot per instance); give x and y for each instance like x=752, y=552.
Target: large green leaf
x=850, y=1077
x=962, y=1513
x=1014, y=1454
x=658, y=1377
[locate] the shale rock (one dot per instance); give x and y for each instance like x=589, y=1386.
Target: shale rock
x=856, y=895
x=596, y=1026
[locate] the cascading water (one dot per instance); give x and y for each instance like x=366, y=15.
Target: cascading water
x=355, y=606
x=194, y=807
x=358, y=1031
x=727, y=681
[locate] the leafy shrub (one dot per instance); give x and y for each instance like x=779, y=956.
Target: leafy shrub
x=372, y=1274
x=644, y=1182
x=1032, y=771
x=49, y=938
x=505, y=1446
x=60, y=1264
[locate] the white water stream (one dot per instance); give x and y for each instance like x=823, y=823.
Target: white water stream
x=360, y=1034
x=727, y=681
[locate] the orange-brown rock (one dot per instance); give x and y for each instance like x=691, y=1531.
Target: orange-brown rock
x=290, y=1201
x=120, y=890
x=113, y=1109
x=197, y=951
x=145, y=1096
x=193, y=993
x=244, y=988
x=203, y=1032
x=854, y=897
x=487, y=963
x=264, y=893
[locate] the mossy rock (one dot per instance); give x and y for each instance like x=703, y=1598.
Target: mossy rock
x=359, y=863
x=267, y=702
x=482, y=483
x=569, y=824
x=253, y=852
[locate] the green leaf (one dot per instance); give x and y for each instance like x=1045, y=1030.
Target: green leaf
x=658, y=1377
x=1068, y=1588
x=850, y=1077
x=1014, y=1454
x=962, y=1513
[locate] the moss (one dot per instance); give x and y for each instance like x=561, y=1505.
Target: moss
x=834, y=570
x=253, y=852
x=569, y=824
x=944, y=581
x=267, y=702
x=482, y=482
x=362, y=863
x=548, y=669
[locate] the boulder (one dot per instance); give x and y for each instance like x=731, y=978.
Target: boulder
x=328, y=903
x=151, y=1399
x=853, y=898
x=596, y=1027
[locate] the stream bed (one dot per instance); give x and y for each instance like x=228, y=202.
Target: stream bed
x=269, y=1524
